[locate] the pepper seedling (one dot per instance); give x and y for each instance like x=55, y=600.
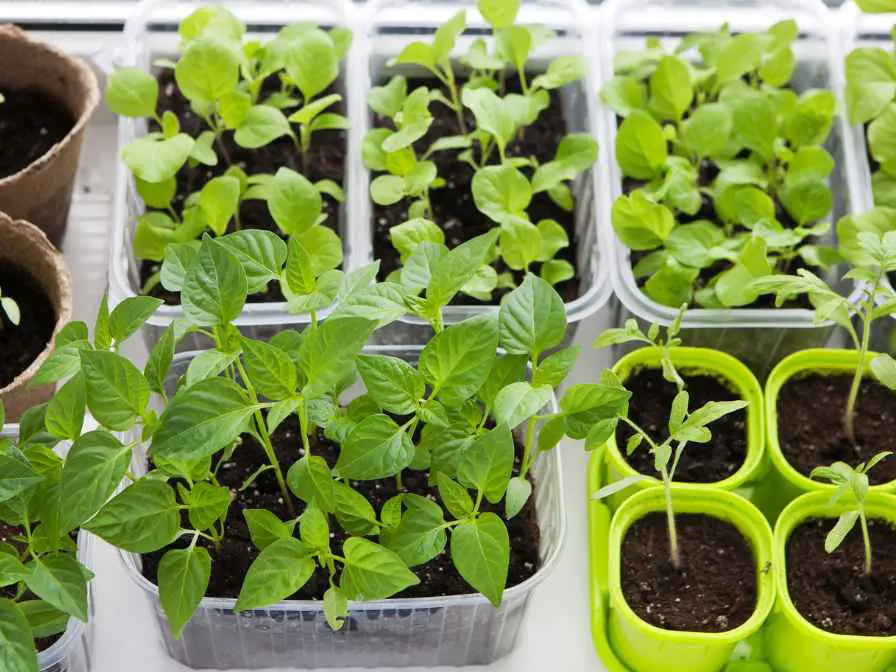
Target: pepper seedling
x=10, y=308
x=868, y=243
x=854, y=481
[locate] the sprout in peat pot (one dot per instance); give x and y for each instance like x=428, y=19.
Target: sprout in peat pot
x=725, y=176
x=9, y=310
x=868, y=243
x=478, y=148
x=268, y=479
x=43, y=502
x=852, y=482
x=234, y=122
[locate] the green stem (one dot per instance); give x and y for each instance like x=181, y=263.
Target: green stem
x=849, y=419
x=866, y=538
x=455, y=99
x=527, y=451
x=303, y=427
x=674, y=555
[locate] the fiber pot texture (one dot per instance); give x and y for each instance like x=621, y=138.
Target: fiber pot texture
x=792, y=644
x=42, y=192
x=704, y=361
x=784, y=483
x=28, y=247
x=643, y=646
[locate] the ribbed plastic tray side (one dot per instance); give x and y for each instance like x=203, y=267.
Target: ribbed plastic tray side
x=450, y=631
x=393, y=24
x=152, y=32
x=759, y=337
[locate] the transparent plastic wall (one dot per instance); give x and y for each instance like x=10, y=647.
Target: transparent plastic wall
x=759, y=337
x=394, y=23
x=450, y=631
x=151, y=33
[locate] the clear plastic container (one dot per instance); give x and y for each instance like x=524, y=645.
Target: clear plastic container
x=395, y=23
x=863, y=30
x=72, y=651
x=150, y=33
x=758, y=337
x=450, y=631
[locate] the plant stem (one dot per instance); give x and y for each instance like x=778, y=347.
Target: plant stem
x=527, y=452
x=303, y=427
x=670, y=522
x=866, y=538
x=849, y=418
x=455, y=99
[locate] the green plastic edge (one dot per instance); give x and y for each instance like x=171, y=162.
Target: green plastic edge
x=717, y=364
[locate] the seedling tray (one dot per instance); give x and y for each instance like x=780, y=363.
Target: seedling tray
x=747, y=657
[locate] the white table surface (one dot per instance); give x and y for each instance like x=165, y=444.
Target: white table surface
x=556, y=635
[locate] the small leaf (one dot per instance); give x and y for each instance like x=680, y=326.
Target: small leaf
x=372, y=572
x=279, y=571
x=183, y=577
x=143, y=518
x=480, y=550
x=838, y=533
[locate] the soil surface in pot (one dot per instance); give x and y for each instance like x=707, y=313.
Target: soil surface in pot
x=453, y=206
x=649, y=408
x=811, y=429
x=21, y=344
x=9, y=534
x=437, y=577
x=714, y=590
x=325, y=161
x=831, y=590
x=31, y=123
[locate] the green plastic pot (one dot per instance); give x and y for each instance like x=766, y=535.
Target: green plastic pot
x=784, y=483
x=792, y=644
x=645, y=647
x=706, y=361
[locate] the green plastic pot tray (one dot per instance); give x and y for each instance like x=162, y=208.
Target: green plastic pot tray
x=747, y=656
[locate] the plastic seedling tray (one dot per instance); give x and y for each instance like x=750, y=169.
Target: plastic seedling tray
x=151, y=33
x=758, y=337
x=395, y=23
x=451, y=631
x=747, y=656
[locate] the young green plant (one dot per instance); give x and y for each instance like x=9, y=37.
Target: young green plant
x=10, y=309
x=852, y=481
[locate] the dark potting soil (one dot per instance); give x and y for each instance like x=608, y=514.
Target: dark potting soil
x=453, y=206
x=811, y=425
x=9, y=534
x=649, y=408
x=326, y=160
x=714, y=590
x=20, y=345
x=236, y=553
x=31, y=123
x=832, y=591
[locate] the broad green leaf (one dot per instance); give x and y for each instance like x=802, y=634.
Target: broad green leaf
x=312, y=62
x=457, y=360
x=882, y=137
x=518, y=402
x=219, y=201
x=640, y=223
x=492, y=114
x=421, y=535
x=740, y=55
x=217, y=287
x=265, y=528
x=131, y=314
x=372, y=572
x=870, y=82
x=518, y=492
x=65, y=411
x=671, y=91
x=499, y=13
x=143, y=518
x=261, y=126
x=279, y=571
x=487, y=463
x=376, y=448
x=387, y=100
x=641, y=149
x=455, y=496
x=810, y=122
x=310, y=480
x=261, y=253
x=708, y=130
x=16, y=476
x=561, y=71
x=293, y=201
x=406, y=236
x=354, y=513
x=17, y=651
x=454, y=269
x=59, y=580
x=206, y=504
x=335, y=607
x=270, y=370
x=755, y=123
x=131, y=92
x=207, y=69
x=117, y=393
x=624, y=94
x=480, y=551
x=393, y=383
x=183, y=580
x=532, y=318
x=838, y=533
x=94, y=467
x=328, y=352
x=154, y=159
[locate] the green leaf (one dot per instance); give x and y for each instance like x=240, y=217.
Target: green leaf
x=884, y=369
x=487, y=464
x=201, y=420
x=493, y=114
x=518, y=402
x=520, y=243
x=738, y=56
x=455, y=496
x=16, y=476
x=707, y=131
x=393, y=383
x=745, y=205
x=212, y=20
x=641, y=148
x=44, y=619
x=354, y=513
x=293, y=201
x=421, y=535
x=60, y=581
x=553, y=370
x=180, y=259
x=640, y=223
x=387, y=100
x=335, y=607
x=480, y=551
x=279, y=571
x=624, y=94
x=94, y=467
x=312, y=62
x=671, y=91
x=457, y=360
x=310, y=480
x=372, y=572
x=376, y=448
x=561, y=71
x=698, y=244
x=261, y=253
x=870, y=83
x=206, y=504
x=414, y=121
x=270, y=370
x=407, y=236
x=219, y=201
x=261, y=126
x=387, y=189
x=143, y=518
x=328, y=352
x=207, y=70
x=131, y=92
x=518, y=492
x=154, y=159
x=532, y=318
x=838, y=533
x=117, y=393
x=65, y=411
x=17, y=651
x=755, y=123
x=183, y=580
x=217, y=287
x=881, y=140
x=265, y=528
x=446, y=37
x=131, y=314
x=499, y=13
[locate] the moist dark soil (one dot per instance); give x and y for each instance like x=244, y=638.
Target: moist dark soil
x=453, y=206
x=9, y=534
x=649, y=408
x=31, y=123
x=714, y=590
x=326, y=160
x=811, y=427
x=706, y=174
x=232, y=560
x=20, y=345
x=831, y=590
